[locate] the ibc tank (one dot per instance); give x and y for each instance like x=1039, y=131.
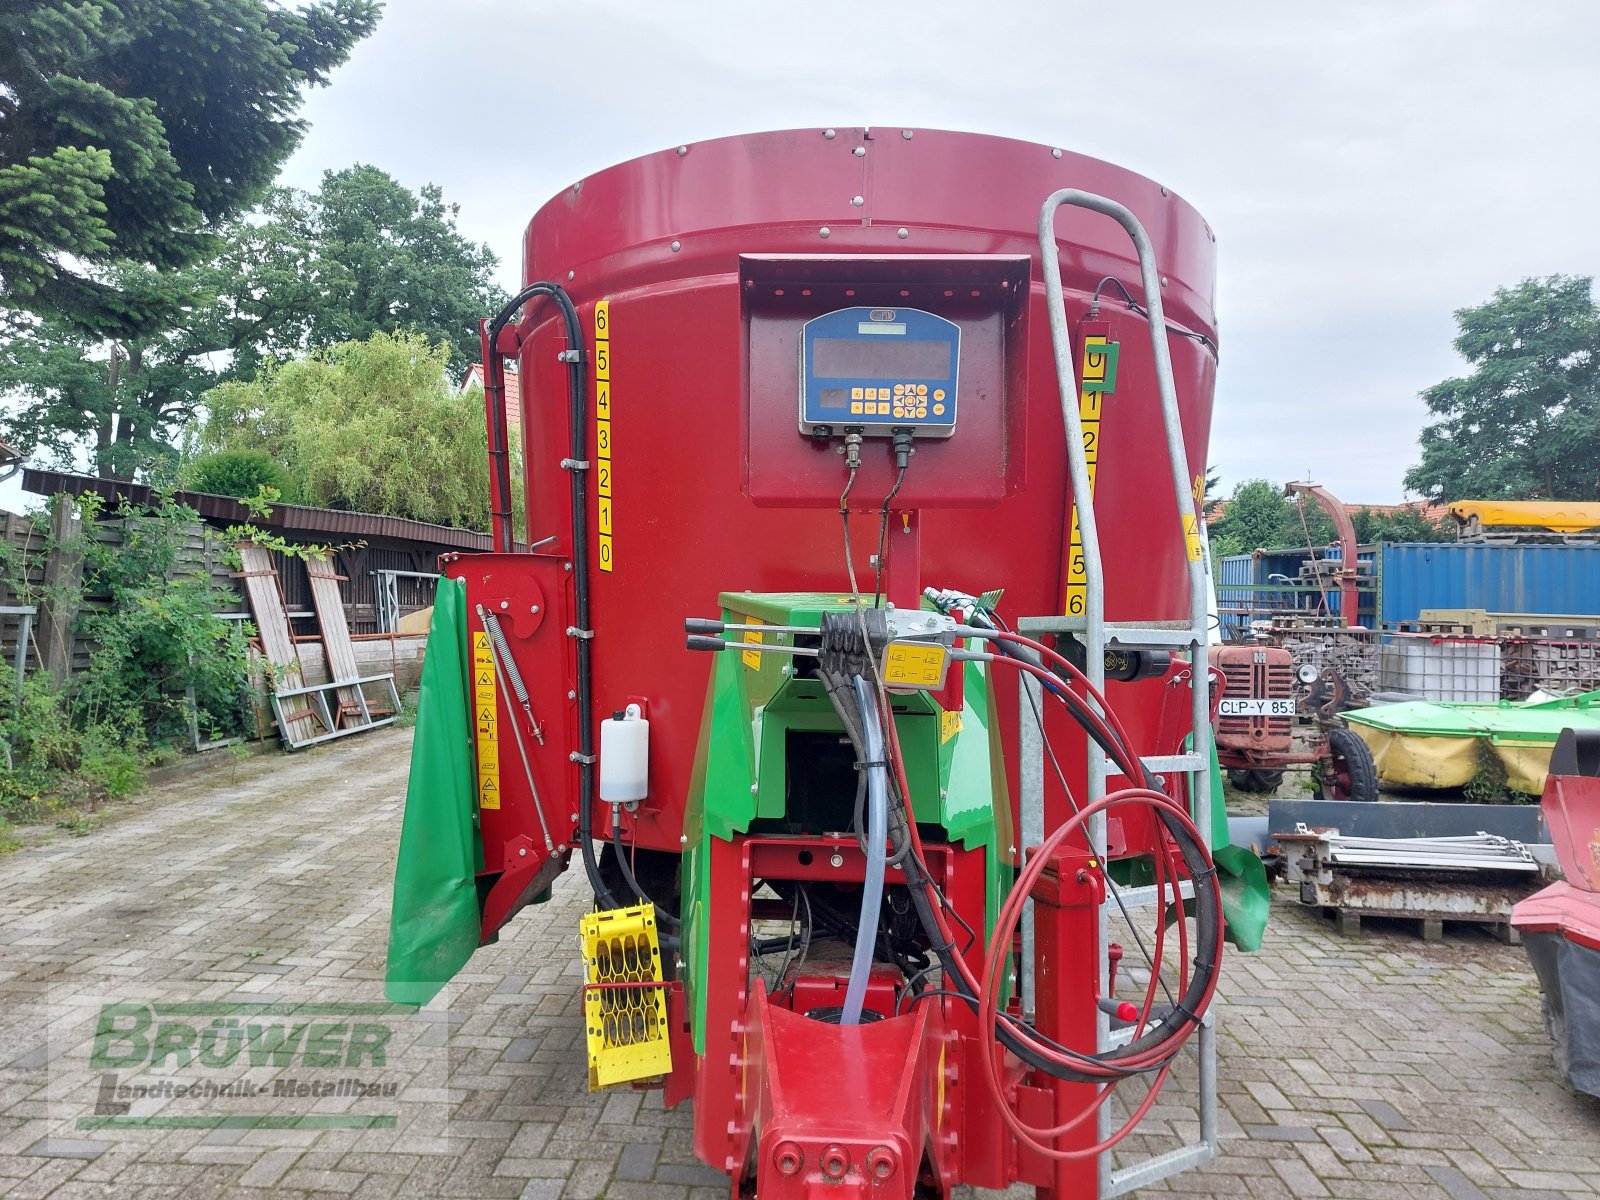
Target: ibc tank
x=711, y=256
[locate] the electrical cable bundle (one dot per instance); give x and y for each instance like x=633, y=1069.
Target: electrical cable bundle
x=1158, y=1036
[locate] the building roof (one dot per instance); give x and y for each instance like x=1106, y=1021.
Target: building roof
x=474, y=378
x=316, y=523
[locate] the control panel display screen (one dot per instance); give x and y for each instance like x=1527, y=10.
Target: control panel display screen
x=877, y=371
x=880, y=358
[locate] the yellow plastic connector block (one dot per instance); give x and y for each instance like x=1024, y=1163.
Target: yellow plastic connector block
x=624, y=999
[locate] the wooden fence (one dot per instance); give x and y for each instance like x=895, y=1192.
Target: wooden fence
x=42, y=568
x=38, y=573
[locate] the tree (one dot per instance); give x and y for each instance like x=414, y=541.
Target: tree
x=374, y=426
x=1260, y=517
x=1405, y=523
x=377, y=258
x=1526, y=423
x=361, y=254
x=130, y=128
x=121, y=397
x=1209, y=497
x=1254, y=517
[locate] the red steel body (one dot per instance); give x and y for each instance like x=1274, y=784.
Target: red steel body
x=711, y=257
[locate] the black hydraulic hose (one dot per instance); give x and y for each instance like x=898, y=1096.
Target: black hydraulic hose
x=500, y=457
x=662, y=915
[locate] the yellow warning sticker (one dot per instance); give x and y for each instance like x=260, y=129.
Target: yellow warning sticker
x=906, y=664
x=604, y=472
x=949, y=726
x=1097, y=356
x=1191, y=535
x=751, y=658
x=485, y=712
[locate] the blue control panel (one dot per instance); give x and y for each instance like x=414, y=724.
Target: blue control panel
x=878, y=370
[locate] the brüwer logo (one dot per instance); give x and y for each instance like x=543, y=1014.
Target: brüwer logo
x=201, y=1065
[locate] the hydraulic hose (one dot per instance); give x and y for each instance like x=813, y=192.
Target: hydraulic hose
x=666, y=919
x=500, y=461
x=877, y=831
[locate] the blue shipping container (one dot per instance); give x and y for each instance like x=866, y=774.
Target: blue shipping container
x=1237, y=570
x=1553, y=580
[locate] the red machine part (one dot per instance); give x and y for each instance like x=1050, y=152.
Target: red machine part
x=530, y=596
x=1570, y=908
x=1348, y=573
x=692, y=272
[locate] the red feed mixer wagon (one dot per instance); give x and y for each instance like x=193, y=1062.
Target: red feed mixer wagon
x=873, y=739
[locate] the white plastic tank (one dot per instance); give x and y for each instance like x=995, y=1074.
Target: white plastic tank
x=625, y=757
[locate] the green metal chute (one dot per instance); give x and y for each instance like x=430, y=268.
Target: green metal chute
x=434, y=924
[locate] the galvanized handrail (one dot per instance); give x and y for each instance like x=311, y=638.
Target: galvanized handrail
x=1095, y=631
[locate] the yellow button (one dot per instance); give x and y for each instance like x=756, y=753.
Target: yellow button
x=856, y=405
x=899, y=389
x=872, y=394
x=922, y=410
x=898, y=411
x=883, y=409
x=855, y=394
x=938, y=393
x=922, y=389
x=938, y=410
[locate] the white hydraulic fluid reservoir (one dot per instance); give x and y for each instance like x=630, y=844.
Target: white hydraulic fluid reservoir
x=625, y=757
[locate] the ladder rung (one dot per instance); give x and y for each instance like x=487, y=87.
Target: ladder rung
x=1153, y=635
x=1144, y=897
x=1163, y=763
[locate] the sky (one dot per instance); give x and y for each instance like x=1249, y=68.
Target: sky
x=1369, y=168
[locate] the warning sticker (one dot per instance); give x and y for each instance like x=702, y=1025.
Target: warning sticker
x=751, y=658
x=906, y=664
x=485, y=714
x=949, y=726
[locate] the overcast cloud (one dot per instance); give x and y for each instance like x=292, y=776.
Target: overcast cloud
x=1368, y=167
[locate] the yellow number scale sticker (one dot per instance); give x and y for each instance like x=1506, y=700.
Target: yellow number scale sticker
x=484, y=712
x=1098, y=353
x=602, y=432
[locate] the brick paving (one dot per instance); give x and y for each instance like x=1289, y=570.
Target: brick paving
x=1361, y=1069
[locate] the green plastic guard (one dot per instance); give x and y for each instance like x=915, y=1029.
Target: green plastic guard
x=434, y=924
x=1246, y=894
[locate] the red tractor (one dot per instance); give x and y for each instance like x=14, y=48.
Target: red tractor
x=1254, y=727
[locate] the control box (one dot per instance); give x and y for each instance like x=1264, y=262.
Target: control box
x=878, y=370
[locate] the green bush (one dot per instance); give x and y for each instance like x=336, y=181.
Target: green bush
x=237, y=473
x=161, y=659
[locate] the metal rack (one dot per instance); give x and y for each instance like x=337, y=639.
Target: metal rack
x=1098, y=635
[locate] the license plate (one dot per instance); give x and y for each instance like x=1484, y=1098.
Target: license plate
x=1249, y=706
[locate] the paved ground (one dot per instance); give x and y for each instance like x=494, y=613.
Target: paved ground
x=1364, y=1069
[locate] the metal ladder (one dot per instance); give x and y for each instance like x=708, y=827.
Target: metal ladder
x=1098, y=635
